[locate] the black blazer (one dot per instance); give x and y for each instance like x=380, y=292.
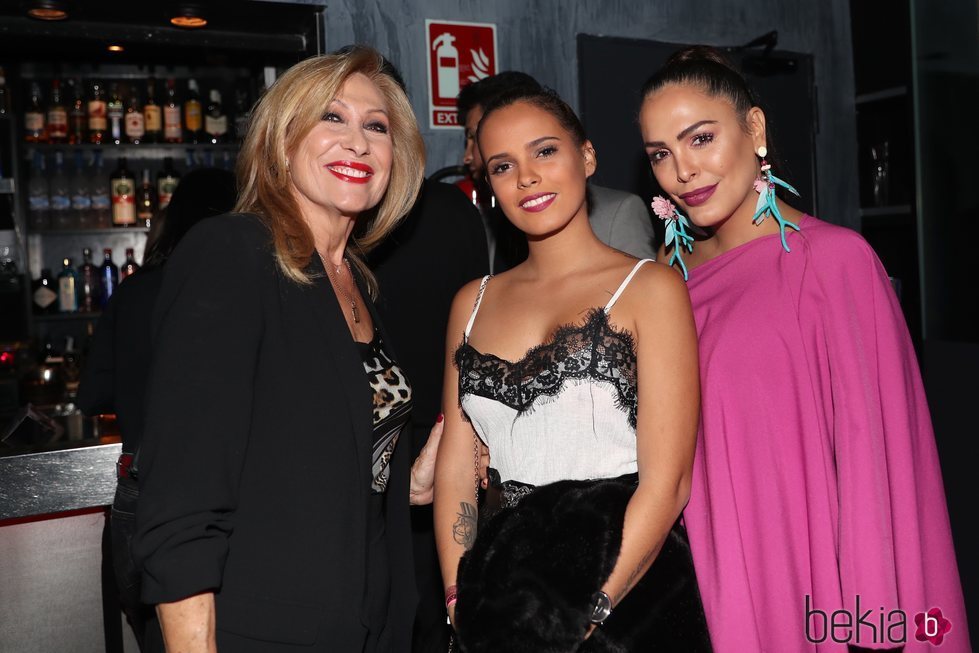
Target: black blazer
x=255, y=465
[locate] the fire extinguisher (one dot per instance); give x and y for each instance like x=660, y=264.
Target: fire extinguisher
x=447, y=63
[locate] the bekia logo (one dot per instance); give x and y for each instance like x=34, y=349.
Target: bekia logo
x=873, y=626
x=932, y=626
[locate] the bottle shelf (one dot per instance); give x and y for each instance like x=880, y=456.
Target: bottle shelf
x=67, y=317
x=876, y=211
x=100, y=231
x=129, y=147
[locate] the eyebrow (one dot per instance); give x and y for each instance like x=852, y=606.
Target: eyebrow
x=683, y=134
x=347, y=107
x=532, y=144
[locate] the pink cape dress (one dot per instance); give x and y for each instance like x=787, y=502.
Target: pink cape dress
x=816, y=471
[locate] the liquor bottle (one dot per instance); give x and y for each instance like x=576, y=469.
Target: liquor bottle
x=38, y=196
x=98, y=122
x=146, y=201
x=242, y=113
x=34, y=131
x=67, y=288
x=4, y=94
x=77, y=116
x=166, y=182
x=45, y=294
x=193, y=121
x=173, y=130
x=116, y=113
x=190, y=160
x=101, y=193
x=81, y=193
x=216, y=120
x=129, y=267
x=60, y=194
x=57, y=115
x=88, y=283
x=122, y=185
x=108, y=278
x=152, y=115
x=135, y=123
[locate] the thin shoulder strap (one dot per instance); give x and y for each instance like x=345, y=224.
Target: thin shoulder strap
x=622, y=286
x=479, y=300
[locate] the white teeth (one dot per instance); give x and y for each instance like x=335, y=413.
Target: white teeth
x=538, y=201
x=350, y=172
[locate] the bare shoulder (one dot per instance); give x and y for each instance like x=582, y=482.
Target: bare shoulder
x=659, y=277
x=656, y=287
x=465, y=297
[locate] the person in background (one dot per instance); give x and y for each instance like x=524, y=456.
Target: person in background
x=817, y=496
x=619, y=219
x=438, y=248
x=274, y=492
x=116, y=372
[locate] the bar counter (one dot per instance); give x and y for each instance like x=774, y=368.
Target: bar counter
x=52, y=513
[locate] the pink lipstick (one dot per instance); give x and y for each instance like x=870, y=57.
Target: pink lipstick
x=698, y=196
x=351, y=171
x=537, y=202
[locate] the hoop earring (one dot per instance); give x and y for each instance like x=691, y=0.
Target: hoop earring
x=676, y=231
x=766, y=206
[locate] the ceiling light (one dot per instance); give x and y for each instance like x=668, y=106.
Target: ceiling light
x=115, y=48
x=188, y=15
x=47, y=10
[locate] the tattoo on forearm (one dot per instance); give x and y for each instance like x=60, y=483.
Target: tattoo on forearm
x=464, y=530
x=636, y=574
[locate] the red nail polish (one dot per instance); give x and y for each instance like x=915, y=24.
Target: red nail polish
x=438, y=420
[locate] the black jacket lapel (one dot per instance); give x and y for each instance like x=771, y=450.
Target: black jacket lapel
x=349, y=367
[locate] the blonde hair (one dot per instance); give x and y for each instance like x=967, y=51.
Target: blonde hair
x=282, y=119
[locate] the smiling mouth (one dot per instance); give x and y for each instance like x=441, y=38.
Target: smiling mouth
x=538, y=202
x=355, y=173
x=698, y=196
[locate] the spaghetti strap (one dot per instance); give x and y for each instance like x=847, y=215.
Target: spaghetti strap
x=479, y=300
x=622, y=286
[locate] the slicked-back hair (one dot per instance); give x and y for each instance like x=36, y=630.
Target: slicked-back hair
x=545, y=99
x=485, y=91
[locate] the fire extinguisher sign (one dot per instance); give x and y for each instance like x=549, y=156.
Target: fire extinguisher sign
x=458, y=54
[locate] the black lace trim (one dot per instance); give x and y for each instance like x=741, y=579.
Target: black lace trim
x=593, y=350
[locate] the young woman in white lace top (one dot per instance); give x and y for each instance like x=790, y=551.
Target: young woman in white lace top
x=578, y=369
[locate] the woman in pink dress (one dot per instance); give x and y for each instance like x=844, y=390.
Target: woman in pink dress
x=817, y=516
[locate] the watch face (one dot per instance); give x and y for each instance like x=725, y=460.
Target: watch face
x=601, y=607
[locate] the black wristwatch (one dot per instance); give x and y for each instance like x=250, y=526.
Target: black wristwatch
x=601, y=607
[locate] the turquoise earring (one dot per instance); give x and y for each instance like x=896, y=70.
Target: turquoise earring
x=766, y=206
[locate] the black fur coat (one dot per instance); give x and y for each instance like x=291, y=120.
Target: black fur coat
x=526, y=585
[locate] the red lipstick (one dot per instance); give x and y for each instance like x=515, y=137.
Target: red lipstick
x=698, y=196
x=537, y=202
x=351, y=171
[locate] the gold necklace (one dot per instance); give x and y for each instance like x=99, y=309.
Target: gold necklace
x=338, y=286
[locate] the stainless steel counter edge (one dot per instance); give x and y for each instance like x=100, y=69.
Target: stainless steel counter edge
x=57, y=481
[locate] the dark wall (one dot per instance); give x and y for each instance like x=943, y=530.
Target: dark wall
x=540, y=38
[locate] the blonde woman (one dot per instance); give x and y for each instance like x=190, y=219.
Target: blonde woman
x=274, y=499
